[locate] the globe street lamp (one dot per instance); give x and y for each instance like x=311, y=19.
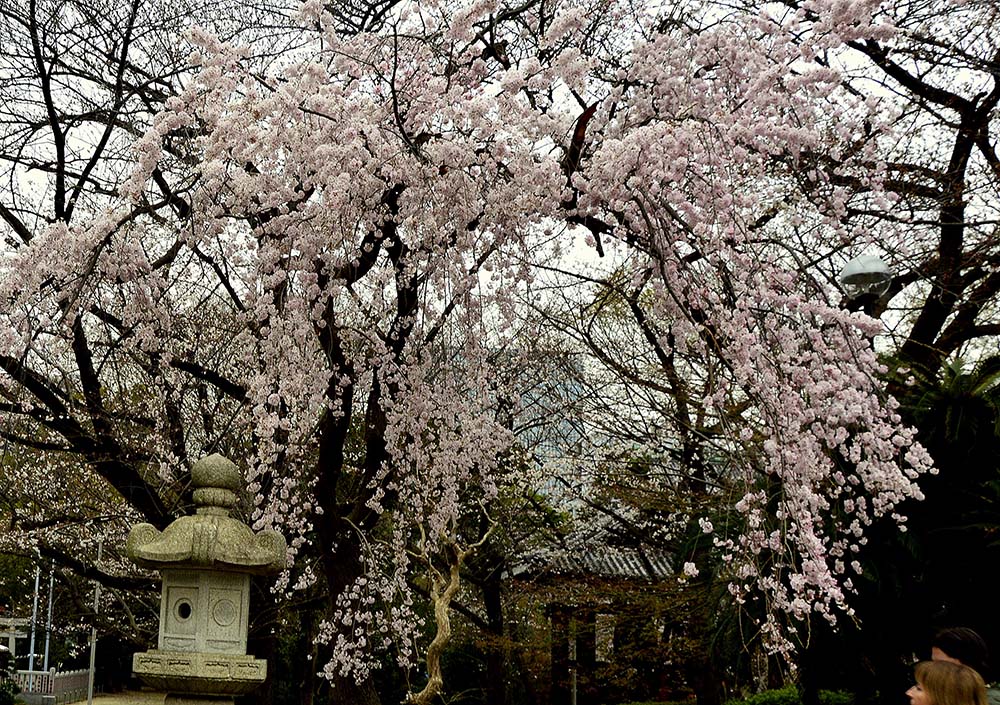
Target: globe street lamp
x=865, y=274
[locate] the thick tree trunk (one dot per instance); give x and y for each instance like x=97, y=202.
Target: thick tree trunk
x=809, y=675
x=308, y=666
x=339, y=543
x=531, y=691
x=496, y=661
x=705, y=680
x=700, y=670
x=559, y=681
x=342, y=567
x=263, y=648
x=588, y=691
x=345, y=691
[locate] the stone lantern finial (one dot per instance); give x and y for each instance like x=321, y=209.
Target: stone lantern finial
x=206, y=561
x=217, y=483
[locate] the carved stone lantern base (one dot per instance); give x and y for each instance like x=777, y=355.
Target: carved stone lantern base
x=199, y=674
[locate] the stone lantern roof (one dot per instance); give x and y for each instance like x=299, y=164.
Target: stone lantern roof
x=210, y=538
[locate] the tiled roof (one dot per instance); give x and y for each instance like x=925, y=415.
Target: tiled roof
x=598, y=561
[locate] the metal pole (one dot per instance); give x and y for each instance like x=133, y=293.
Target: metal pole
x=93, y=632
x=34, y=620
x=48, y=622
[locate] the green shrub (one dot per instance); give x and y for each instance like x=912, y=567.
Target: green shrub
x=836, y=697
x=789, y=695
x=8, y=693
x=8, y=688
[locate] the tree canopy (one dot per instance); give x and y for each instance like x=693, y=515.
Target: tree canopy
x=368, y=250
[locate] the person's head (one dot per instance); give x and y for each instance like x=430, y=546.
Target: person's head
x=946, y=683
x=960, y=645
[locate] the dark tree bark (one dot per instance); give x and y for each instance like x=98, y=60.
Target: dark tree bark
x=496, y=651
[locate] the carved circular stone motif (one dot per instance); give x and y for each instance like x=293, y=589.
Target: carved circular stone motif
x=224, y=613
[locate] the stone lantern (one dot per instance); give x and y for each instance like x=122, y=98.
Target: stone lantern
x=205, y=561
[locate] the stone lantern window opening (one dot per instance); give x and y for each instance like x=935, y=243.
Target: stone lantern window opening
x=183, y=609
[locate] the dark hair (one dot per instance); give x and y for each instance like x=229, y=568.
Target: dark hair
x=948, y=683
x=965, y=645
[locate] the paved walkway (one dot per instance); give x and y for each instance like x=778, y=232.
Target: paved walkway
x=131, y=697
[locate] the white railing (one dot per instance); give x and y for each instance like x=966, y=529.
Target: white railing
x=35, y=681
x=51, y=686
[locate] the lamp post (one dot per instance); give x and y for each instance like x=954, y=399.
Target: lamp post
x=34, y=622
x=48, y=621
x=865, y=274
x=865, y=279
x=93, y=630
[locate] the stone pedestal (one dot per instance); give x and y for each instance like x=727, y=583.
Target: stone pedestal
x=199, y=673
